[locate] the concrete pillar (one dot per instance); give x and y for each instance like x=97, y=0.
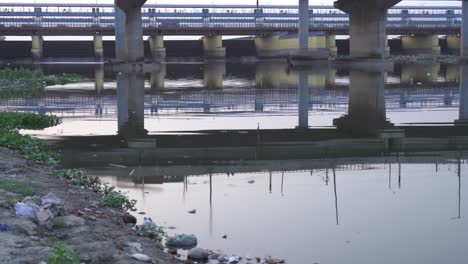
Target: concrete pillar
x=452, y=73
x=156, y=43
x=133, y=29
x=213, y=47
x=304, y=96
x=120, y=41
x=453, y=44
x=367, y=30
x=36, y=47
x=303, y=25
x=268, y=46
x=98, y=48
x=213, y=75
x=331, y=45
x=464, y=29
x=420, y=44
x=463, y=112
x=122, y=103
x=269, y=75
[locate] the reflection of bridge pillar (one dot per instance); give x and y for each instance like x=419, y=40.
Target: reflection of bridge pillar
x=463, y=113
x=99, y=78
x=213, y=75
x=366, y=110
x=131, y=94
x=36, y=47
x=304, y=97
x=98, y=47
x=157, y=78
x=452, y=73
x=331, y=45
x=133, y=29
x=453, y=44
x=464, y=29
x=367, y=31
x=421, y=44
x=158, y=52
x=269, y=75
x=331, y=77
x=413, y=74
x=213, y=47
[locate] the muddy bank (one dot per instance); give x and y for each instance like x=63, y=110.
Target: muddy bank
x=95, y=233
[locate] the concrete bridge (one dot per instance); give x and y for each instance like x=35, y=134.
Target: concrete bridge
x=275, y=27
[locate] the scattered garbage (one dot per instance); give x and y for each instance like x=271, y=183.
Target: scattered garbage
x=182, y=241
x=192, y=211
x=134, y=247
x=141, y=257
x=25, y=210
x=225, y=237
x=4, y=227
x=234, y=259
x=148, y=222
x=42, y=210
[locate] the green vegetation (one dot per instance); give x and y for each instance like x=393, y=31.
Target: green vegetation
x=79, y=177
x=22, y=188
x=22, y=83
x=29, y=147
x=154, y=233
x=63, y=256
x=116, y=199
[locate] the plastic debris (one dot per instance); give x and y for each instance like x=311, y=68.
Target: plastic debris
x=148, y=222
x=141, y=257
x=25, y=210
x=192, y=211
x=4, y=227
x=234, y=259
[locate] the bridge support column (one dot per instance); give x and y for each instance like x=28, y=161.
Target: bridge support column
x=421, y=44
x=98, y=47
x=367, y=31
x=157, y=78
x=464, y=30
x=158, y=52
x=268, y=46
x=453, y=45
x=133, y=29
x=463, y=112
x=331, y=45
x=120, y=41
x=36, y=48
x=213, y=47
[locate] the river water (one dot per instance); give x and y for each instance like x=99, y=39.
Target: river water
x=315, y=164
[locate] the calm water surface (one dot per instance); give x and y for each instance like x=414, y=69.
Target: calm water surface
x=346, y=166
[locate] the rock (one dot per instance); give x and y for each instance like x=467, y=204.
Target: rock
x=134, y=247
x=198, y=254
x=129, y=219
x=182, y=241
x=141, y=257
x=192, y=211
x=44, y=216
x=25, y=226
x=69, y=221
x=34, y=238
x=51, y=200
x=172, y=251
x=222, y=258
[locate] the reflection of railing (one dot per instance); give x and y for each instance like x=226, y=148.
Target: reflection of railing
x=247, y=100
x=176, y=17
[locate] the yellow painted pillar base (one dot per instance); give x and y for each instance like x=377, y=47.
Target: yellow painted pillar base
x=37, y=47
x=98, y=47
x=421, y=44
x=453, y=45
x=213, y=47
x=156, y=43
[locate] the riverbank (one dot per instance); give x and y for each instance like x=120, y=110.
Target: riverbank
x=94, y=232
